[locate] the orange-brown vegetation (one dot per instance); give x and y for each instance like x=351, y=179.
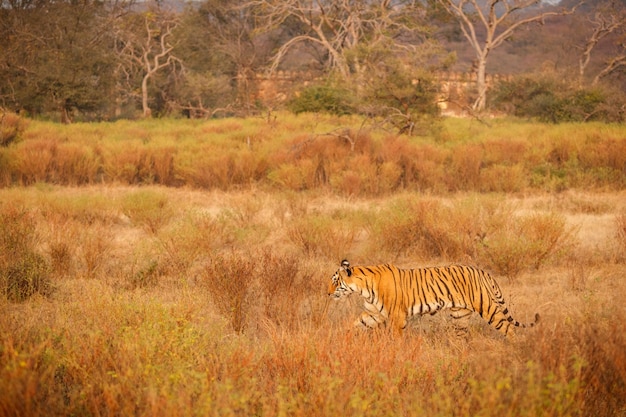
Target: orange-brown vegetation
x=120, y=299
x=306, y=153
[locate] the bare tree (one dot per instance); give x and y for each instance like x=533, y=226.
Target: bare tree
x=338, y=27
x=609, y=18
x=144, y=43
x=486, y=24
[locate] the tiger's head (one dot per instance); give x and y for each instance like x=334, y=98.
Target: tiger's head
x=339, y=288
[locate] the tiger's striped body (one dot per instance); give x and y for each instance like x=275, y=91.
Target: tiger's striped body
x=393, y=295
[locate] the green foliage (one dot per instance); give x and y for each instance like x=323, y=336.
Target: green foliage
x=323, y=99
x=405, y=100
x=553, y=100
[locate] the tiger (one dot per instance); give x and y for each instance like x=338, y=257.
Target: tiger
x=393, y=295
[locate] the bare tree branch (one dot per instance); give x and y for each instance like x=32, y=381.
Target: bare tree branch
x=498, y=19
x=609, y=18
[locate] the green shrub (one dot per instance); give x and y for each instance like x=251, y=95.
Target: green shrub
x=405, y=100
x=322, y=99
x=553, y=100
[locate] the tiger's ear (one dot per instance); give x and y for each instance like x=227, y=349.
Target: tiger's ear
x=346, y=267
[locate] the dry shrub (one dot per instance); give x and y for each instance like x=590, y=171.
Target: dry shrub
x=163, y=165
x=362, y=177
x=420, y=166
x=322, y=235
x=464, y=168
x=11, y=127
x=428, y=228
x=604, y=373
x=503, y=179
x=75, y=165
x=579, y=270
x=35, y=159
x=149, y=209
x=486, y=232
x=220, y=127
x=6, y=169
x=60, y=254
x=128, y=165
x=313, y=161
x=604, y=152
x=186, y=244
x=247, y=285
x=522, y=242
x=96, y=244
x=505, y=151
x=563, y=150
x=229, y=278
x=23, y=271
x=224, y=169
x=588, y=355
x=145, y=276
x=61, y=237
x=286, y=288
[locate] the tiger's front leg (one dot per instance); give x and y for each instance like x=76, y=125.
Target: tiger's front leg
x=369, y=320
x=371, y=317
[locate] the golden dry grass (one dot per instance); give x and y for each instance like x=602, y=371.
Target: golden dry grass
x=137, y=325
x=178, y=268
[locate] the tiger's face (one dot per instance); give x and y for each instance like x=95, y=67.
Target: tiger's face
x=338, y=288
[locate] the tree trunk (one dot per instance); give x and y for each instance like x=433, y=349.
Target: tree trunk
x=481, y=84
x=147, y=113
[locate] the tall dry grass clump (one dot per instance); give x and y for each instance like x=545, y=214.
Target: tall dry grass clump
x=529, y=241
x=314, y=152
x=12, y=127
x=24, y=272
x=254, y=287
x=321, y=235
x=229, y=278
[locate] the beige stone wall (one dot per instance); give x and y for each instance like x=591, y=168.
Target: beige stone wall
x=456, y=89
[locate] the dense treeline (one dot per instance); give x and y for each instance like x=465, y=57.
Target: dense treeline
x=104, y=60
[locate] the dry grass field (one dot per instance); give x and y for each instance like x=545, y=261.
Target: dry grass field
x=144, y=299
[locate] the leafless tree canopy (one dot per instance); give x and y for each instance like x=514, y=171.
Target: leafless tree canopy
x=116, y=58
